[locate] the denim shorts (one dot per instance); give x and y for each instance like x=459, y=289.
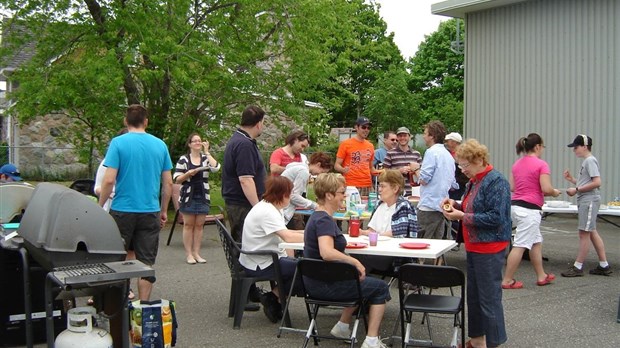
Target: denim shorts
x=195, y=207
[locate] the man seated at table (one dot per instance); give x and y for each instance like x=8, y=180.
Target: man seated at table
x=264, y=230
x=395, y=217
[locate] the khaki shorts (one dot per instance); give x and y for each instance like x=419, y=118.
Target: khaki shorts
x=587, y=212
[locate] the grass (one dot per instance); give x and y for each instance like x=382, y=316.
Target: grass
x=216, y=194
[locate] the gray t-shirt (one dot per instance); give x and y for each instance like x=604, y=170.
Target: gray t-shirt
x=589, y=170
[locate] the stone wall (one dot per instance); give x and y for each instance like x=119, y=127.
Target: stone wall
x=40, y=148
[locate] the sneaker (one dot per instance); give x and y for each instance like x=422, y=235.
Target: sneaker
x=379, y=344
x=573, y=272
x=271, y=307
x=601, y=270
x=339, y=332
x=255, y=294
x=251, y=307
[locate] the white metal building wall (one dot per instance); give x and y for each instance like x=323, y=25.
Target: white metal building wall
x=550, y=67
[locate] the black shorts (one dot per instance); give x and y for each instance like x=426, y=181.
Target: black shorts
x=141, y=230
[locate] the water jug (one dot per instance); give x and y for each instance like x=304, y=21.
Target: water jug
x=353, y=198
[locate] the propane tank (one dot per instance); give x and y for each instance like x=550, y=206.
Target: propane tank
x=80, y=332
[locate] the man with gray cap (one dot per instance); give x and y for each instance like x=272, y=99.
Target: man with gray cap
x=404, y=158
x=354, y=158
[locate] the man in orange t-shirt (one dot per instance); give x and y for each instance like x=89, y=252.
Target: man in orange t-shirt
x=354, y=157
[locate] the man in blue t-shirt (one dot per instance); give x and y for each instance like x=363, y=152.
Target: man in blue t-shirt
x=139, y=164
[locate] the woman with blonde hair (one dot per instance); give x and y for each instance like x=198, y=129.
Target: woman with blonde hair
x=323, y=240
x=486, y=228
x=394, y=216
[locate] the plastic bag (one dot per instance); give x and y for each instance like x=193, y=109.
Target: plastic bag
x=153, y=324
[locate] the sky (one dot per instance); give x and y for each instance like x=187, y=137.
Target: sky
x=410, y=20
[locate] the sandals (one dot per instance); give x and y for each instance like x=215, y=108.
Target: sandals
x=550, y=277
x=513, y=285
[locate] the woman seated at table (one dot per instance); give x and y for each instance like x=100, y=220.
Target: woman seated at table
x=394, y=216
x=324, y=240
x=299, y=173
x=263, y=230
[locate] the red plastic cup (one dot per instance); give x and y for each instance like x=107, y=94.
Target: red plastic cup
x=354, y=227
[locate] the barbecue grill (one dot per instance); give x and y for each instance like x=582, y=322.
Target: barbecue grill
x=62, y=227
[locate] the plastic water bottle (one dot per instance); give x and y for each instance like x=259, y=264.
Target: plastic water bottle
x=372, y=201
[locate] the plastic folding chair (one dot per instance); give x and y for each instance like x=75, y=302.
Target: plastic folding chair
x=85, y=186
x=431, y=277
x=312, y=272
x=241, y=282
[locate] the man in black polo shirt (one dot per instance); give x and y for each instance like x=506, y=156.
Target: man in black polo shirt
x=243, y=177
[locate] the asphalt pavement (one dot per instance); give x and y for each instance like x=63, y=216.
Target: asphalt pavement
x=571, y=312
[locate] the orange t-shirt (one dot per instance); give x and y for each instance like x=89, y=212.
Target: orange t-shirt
x=358, y=156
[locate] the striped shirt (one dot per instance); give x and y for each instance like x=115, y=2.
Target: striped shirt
x=397, y=158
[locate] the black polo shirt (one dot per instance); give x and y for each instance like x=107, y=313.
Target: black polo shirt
x=241, y=158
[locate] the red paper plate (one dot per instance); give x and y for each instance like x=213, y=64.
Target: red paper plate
x=414, y=245
x=356, y=245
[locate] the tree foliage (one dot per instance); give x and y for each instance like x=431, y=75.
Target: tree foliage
x=193, y=64
x=359, y=58
x=437, y=77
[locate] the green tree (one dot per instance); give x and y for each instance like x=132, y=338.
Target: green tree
x=361, y=53
x=193, y=64
x=437, y=77
x=391, y=104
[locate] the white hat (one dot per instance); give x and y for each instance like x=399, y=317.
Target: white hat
x=455, y=136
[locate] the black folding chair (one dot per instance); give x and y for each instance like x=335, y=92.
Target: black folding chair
x=312, y=272
x=241, y=282
x=430, y=276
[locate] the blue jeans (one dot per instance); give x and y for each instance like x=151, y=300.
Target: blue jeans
x=484, y=297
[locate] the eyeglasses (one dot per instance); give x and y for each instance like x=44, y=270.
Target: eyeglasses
x=341, y=192
x=464, y=165
x=365, y=127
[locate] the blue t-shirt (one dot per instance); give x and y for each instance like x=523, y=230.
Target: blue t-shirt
x=242, y=158
x=321, y=224
x=140, y=159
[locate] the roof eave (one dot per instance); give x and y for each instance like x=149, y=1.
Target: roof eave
x=459, y=8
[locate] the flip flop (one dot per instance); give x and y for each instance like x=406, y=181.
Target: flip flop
x=513, y=285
